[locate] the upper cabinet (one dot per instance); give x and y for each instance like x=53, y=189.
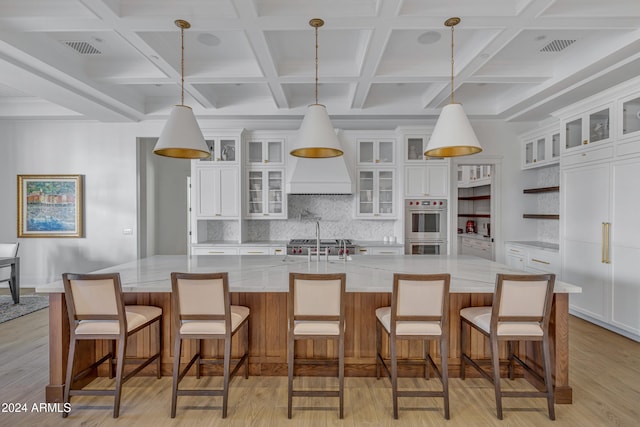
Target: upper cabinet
x=265, y=151
x=266, y=198
x=585, y=129
x=222, y=150
x=375, y=194
x=629, y=112
x=541, y=148
x=474, y=175
x=426, y=180
x=215, y=192
x=375, y=151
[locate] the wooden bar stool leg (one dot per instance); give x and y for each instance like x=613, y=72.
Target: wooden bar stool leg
x=225, y=387
x=394, y=375
x=547, y=376
x=463, y=341
x=112, y=351
x=444, y=362
x=378, y=348
x=69, y=379
x=341, y=374
x=176, y=374
x=122, y=350
x=159, y=359
x=495, y=360
x=290, y=362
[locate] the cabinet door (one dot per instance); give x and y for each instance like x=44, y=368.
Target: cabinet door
x=630, y=117
x=255, y=204
x=217, y=193
x=431, y=181
x=221, y=150
x=276, y=203
x=269, y=151
x=373, y=151
x=376, y=193
x=585, y=207
x=588, y=128
x=625, y=245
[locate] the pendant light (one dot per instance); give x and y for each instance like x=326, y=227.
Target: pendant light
x=317, y=138
x=181, y=136
x=453, y=135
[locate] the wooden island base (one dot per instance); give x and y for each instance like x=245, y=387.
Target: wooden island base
x=268, y=339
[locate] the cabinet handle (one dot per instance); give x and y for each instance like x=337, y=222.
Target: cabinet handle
x=608, y=242
x=363, y=250
x=387, y=252
x=218, y=214
x=377, y=160
x=604, y=236
x=265, y=161
x=215, y=252
x=585, y=142
x=255, y=252
x=540, y=261
x=514, y=251
x=278, y=250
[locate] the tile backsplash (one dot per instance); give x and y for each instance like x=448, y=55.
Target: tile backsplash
x=336, y=216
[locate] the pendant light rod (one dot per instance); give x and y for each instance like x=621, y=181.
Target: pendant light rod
x=183, y=25
x=452, y=22
x=316, y=23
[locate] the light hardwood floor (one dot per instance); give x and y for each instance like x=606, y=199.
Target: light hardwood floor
x=604, y=374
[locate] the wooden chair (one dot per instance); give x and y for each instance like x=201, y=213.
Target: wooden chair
x=520, y=311
x=97, y=312
x=316, y=310
x=419, y=311
x=202, y=310
x=10, y=250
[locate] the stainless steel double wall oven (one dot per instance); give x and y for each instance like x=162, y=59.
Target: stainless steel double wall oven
x=425, y=227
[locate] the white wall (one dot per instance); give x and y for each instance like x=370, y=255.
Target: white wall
x=105, y=153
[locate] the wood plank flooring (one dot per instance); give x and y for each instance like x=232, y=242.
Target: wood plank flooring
x=604, y=374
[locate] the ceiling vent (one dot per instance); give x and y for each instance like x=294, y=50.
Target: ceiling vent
x=83, y=48
x=557, y=45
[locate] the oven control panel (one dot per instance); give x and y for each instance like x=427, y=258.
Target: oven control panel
x=413, y=203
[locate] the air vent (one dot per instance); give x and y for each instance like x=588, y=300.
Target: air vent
x=557, y=45
x=83, y=48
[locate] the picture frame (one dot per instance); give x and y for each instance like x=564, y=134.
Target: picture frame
x=50, y=206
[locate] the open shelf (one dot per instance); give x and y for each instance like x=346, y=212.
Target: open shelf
x=541, y=216
x=474, y=215
x=486, y=197
x=541, y=190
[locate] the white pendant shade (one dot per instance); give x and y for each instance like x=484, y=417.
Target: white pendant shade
x=181, y=136
x=453, y=135
x=317, y=138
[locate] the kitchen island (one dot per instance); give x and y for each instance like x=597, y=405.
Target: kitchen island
x=261, y=283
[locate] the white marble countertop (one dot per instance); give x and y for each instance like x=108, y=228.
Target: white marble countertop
x=371, y=273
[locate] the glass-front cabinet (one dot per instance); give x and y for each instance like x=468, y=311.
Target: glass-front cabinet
x=376, y=193
x=222, y=150
x=588, y=128
x=375, y=151
x=267, y=151
x=541, y=150
x=265, y=192
x=630, y=112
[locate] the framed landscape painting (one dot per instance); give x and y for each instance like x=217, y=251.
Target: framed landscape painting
x=50, y=206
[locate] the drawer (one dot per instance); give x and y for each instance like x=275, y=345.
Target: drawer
x=213, y=250
x=587, y=156
x=258, y=250
x=545, y=261
x=385, y=251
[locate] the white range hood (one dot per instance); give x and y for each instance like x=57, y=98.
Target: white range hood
x=319, y=176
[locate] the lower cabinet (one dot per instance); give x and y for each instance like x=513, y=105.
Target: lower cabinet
x=262, y=250
x=475, y=247
x=238, y=250
x=214, y=250
x=380, y=250
x=533, y=259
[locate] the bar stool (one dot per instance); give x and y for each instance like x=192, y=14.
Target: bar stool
x=97, y=312
x=316, y=310
x=202, y=310
x=419, y=311
x=520, y=311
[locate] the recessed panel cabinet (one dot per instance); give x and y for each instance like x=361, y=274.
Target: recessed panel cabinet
x=426, y=181
x=216, y=192
x=376, y=194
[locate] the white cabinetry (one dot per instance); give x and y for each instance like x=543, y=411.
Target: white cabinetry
x=215, y=192
x=265, y=151
x=590, y=127
x=380, y=250
x=376, y=193
x=533, y=259
x=601, y=241
x=629, y=113
x=475, y=247
x=515, y=256
x=430, y=180
x=371, y=151
x=214, y=250
x=266, y=198
x=541, y=148
x=222, y=150
x=262, y=250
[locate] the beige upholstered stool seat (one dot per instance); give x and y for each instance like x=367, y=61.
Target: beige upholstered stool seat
x=302, y=327
x=239, y=314
x=418, y=312
x=137, y=315
x=481, y=317
x=407, y=327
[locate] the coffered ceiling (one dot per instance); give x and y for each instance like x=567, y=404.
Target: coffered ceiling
x=119, y=60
